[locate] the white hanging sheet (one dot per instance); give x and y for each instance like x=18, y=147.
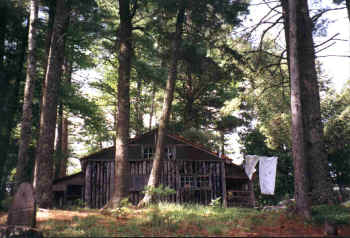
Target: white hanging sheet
x=250, y=163
x=267, y=174
x=267, y=171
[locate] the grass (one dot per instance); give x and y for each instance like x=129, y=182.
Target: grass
x=168, y=219
x=334, y=214
x=77, y=227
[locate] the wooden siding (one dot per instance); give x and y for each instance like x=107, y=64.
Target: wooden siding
x=194, y=181
x=197, y=175
x=99, y=178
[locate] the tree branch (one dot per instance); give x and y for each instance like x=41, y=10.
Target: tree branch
x=325, y=42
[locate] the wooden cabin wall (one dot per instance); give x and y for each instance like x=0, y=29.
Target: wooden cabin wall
x=99, y=178
x=206, y=185
x=195, y=175
x=194, y=181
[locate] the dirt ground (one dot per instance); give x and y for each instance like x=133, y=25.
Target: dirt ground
x=284, y=227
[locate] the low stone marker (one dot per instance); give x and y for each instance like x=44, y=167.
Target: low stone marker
x=23, y=208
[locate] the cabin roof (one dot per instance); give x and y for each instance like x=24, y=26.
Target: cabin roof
x=69, y=177
x=178, y=138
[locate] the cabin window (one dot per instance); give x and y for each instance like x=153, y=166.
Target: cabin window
x=195, y=181
x=203, y=181
x=148, y=151
x=170, y=152
x=187, y=182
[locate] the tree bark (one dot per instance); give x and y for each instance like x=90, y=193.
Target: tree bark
x=22, y=173
x=122, y=172
x=156, y=171
x=52, y=13
x=188, y=112
x=320, y=186
x=58, y=146
x=43, y=161
x=153, y=97
x=62, y=130
x=317, y=167
x=139, y=109
x=65, y=148
x=298, y=134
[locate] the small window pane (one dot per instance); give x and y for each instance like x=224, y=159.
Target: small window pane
x=148, y=152
x=169, y=152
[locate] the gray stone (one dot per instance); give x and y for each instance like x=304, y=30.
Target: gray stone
x=23, y=209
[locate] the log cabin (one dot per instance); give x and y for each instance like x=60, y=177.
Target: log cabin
x=195, y=173
x=68, y=189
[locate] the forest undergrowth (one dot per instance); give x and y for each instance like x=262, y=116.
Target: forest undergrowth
x=166, y=219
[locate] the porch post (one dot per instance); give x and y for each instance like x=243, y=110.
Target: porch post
x=223, y=184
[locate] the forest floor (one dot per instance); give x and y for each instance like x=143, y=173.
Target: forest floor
x=175, y=220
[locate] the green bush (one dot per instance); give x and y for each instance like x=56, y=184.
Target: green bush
x=215, y=203
x=122, y=209
x=159, y=193
x=6, y=203
x=334, y=214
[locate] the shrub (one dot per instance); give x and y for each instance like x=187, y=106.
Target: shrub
x=159, y=193
x=334, y=214
x=215, y=203
x=6, y=203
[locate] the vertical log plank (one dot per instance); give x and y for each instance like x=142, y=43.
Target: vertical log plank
x=223, y=184
x=88, y=185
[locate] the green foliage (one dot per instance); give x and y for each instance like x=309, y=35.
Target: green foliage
x=75, y=205
x=254, y=143
x=122, y=209
x=206, y=138
x=215, y=203
x=83, y=227
x=334, y=214
x=217, y=230
x=162, y=219
x=13, y=42
x=336, y=114
x=6, y=203
x=96, y=129
x=159, y=193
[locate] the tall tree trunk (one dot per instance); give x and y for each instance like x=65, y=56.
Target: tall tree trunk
x=22, y=169
x=62, y=130
x=122, y=172
x=50, y=24
x=153, y=97
x=320, y=187
x=68, y=69
x=58, y=146
x=222, y=141
x=298, y=134
x=156, y=171
x=64, y=162
x=188, y=112
x=317, y=168
x=44, y=161
x=285, y=14
x=139, y=108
